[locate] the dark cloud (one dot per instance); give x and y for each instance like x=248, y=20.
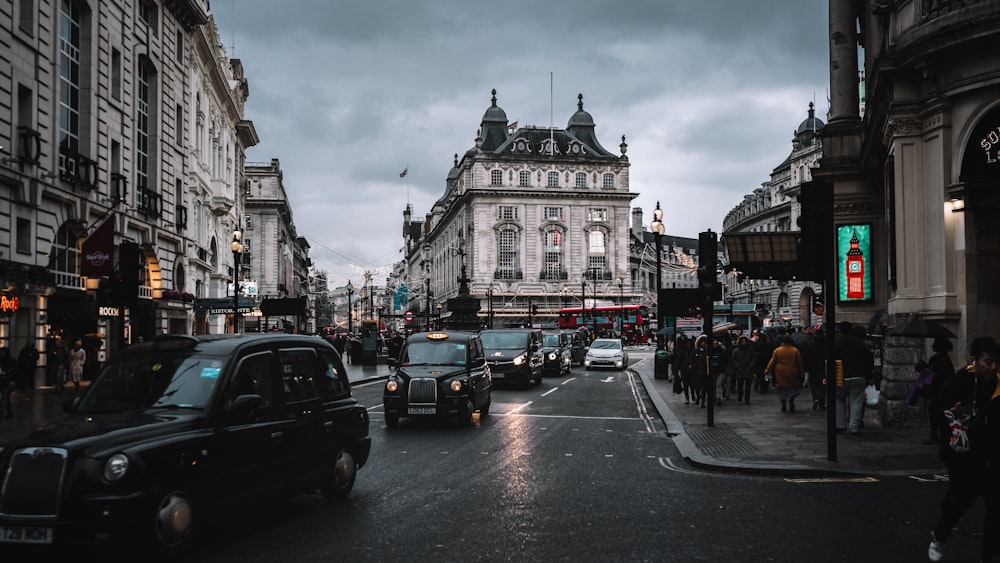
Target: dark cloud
x=347, y=94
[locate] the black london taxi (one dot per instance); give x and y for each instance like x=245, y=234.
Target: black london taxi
x=556, y=358
x=514, y=354
x=173, y=430
x=443, y=374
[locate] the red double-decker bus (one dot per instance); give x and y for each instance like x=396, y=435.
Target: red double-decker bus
x=624, y=318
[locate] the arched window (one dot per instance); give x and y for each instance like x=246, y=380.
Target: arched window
x=496, y=177
x=508, y=264
x=524, y=178
x=597, y=261
x=553, y=180
x=581, y=179
x=553, y=254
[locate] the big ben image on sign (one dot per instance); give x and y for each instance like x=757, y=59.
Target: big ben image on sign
x=853, y=259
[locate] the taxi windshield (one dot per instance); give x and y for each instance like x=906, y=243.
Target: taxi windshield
x=550, y=340
x=140, y=383
x=433, y=353
x=504, y=340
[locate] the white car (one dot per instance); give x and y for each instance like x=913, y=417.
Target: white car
x=606, y=352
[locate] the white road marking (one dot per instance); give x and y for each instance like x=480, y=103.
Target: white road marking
x=609, y=379
x=832, y=480
x=553, y=390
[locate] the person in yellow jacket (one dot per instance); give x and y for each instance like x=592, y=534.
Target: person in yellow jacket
x=787, y=371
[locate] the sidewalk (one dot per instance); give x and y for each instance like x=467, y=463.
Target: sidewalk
x=760, y=438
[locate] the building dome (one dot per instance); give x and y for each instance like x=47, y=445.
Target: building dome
x=810, y=128
x=493, y=129
x=580, y=118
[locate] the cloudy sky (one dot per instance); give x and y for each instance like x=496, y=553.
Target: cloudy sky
x=349, y=93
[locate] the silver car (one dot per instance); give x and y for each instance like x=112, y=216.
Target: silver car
x=606, y=352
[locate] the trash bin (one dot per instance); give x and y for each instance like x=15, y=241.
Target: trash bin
x=661, y=365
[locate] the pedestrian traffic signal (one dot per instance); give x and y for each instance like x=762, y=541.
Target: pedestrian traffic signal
x=128, y=268
x=814, y=244
x=708, y=253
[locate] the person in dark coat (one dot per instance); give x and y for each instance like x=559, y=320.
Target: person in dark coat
x=763, y=349
x=682, y=366
x=974, y=390
x=27, y=363
x=943, y=369
x=857, y=363
x=814, y=356
x=8, y=382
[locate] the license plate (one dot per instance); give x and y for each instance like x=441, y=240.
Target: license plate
x=422, y=410
x=497, y=375
x=25, y=534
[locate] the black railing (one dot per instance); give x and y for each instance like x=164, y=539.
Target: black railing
x=508, y=275
x=77, y=169
x=148, y=202
x=181, y=215
x=553, y=275
x=29, y=144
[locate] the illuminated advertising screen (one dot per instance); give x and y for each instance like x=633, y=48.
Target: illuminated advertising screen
x=854, y=262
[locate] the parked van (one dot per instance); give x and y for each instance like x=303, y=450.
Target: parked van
x=514, y=354
x=577, y=346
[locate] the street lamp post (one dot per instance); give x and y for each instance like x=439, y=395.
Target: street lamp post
x=489, y=307
x=621, y=305
x=657, y=227
x=350, y=310
x=583, y=301
x=439, y=307
x=237, y=248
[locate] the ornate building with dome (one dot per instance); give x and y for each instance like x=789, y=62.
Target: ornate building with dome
x=539, y=216
x=773, y=207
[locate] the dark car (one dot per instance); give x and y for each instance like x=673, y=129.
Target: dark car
x=514, y=354
x=577, y=346
x=176, y=429
x=441, y=374
x=556, y=357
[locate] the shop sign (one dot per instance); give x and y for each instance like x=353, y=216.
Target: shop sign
x=104, y=311
x=989, y=143
x=9, y=304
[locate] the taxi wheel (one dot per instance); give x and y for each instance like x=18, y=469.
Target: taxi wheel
x=340, y=480
x=391, y=419
x=171, y=528
x=484, y=410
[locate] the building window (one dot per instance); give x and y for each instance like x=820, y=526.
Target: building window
x=70, y=46
x=581, y=180
x=553, y=213
x=609, y=181
x=179, y=126
x=65, y=254
x=496, y=177
x=507, y=213
x=142, y=126
x=179, y=47
x=147, y=14
x=27, y=16
x=553, y=180
x=597, y=214
x=247, y=223
x=507, y=261
x=23, y=235
x=116, y=74
x=524, y=178
x=553, y=254
x=597, y=262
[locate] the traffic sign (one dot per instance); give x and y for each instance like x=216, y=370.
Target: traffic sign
x=408, y=316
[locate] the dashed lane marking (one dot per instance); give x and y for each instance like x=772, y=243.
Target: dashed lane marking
x=832, y=480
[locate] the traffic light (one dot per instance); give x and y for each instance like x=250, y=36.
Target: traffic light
x=708, y=254
x=128, y=266
x=814, y=243
x=534, y=309
x=105, y=295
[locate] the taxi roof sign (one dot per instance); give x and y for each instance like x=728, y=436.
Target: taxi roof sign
x=437, y=335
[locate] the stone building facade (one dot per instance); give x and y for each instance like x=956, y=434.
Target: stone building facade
x=123, y=116
x=773, y=207
x=534, y=213
x=920, y=168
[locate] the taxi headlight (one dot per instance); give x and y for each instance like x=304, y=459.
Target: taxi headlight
x=519, y=360
x=391, y=386
x=116, y=467
x=456, y=385
x=552, y=355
